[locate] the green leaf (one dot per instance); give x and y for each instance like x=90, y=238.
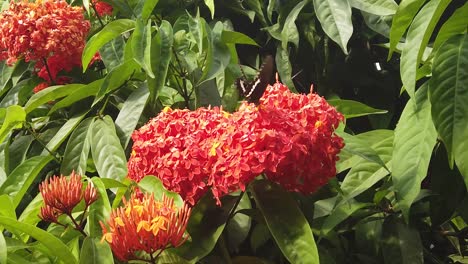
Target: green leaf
x=7, y=209
x=234, y=37
x=63, y=133
x=416, y=40
x=415, y=137
x=448, y=93
x=340, y=213
x=107, y=152
x=5, y=75
x=335, y=18
x=100, y=210
x=50, y=94
x=401, y=21
x=289, y=32
x=161, y=53
x=456, y=24
x=141, y=46
x=55, y=245
x=14, y=118
x=350, y=108
x=3, y=249
x=152, y=184
x=78, y=94
x=376, y=7
x=284, y=67
x=238, y=227
x=207, y=94
x=211, y=7
x=130, y=113
x=286, y=222
x=400, y=243
x=77, y=150
x=93, y=251
x=109, y=32
x=218, y=55
x=145, y=8
x=21, y=178
x=112, y=53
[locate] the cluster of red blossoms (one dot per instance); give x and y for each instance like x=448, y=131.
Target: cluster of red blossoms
x=62, y=194
x=145, y=226
x=47, y=31
x=102, y=8
x=288, y=137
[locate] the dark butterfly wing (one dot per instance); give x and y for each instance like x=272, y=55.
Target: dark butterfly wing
x=254, y=90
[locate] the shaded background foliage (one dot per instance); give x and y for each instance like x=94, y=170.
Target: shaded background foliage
x=398, y=71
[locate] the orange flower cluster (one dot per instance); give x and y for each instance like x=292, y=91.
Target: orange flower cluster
x=288, y=137
x=146, y=226
x=62, y=194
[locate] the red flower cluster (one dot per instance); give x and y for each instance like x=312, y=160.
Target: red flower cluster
x=62, y=194
x=37, y=30
x=102, y=8
x=145, y=226
x=288, y=137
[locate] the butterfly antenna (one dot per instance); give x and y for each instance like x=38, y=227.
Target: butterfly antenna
x=295, y=75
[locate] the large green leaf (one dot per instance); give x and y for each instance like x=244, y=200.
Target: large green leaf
x=401, y=21
x=400, y=243
x=415, y=137
x=112, y=53
x=107, y=152
x=416, y=40
x=7, y=209
x=82, y=92
x=109, y=32
x=50, y=94
x=286, y=222
x=130, y=113
x=335, y=18
x=63, y=133
x=161, y=53
x=376, y=7
x=100, y=210
x=77, y=150
x=456, y=24
x=144, y=8
x=55, y=245
x=289, y=32
x=350, y=108
x=284, y=67
x=14, y=118
x=141, y=46
x=448, y=95
x=93, y=251
x=21, y=178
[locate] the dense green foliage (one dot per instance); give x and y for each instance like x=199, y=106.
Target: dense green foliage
x=397, y=71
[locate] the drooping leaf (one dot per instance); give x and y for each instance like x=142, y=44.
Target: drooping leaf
x=218, y=55
x=448, y=95
x=284, y=67
x=401, y=21
x=455, y=24
x=335, y=18
x=289, y=32
x=109, y=32
x=416, y=40
x=211, y=7
x=415, y=137
x=51, y=242
x=14, y=118
x=286, y=222
x=130, y=113
x=141, y=46
x=77, y=150
x=350, y=108
x=376, y=7
x=93, y=251
x=100, y=210
x=400, y=243
x=107, y=152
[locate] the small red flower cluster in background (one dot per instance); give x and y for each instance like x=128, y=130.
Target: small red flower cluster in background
x=62, y=194
x=47, y=31
x=102, y=8
x=145, y=225
x=288, y=137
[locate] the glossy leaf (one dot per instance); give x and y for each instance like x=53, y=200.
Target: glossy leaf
x=130, y=113
x=109, y=32
x=112, y=53
x=286, y=222
x=448, y=95
x=14, y=118
x=376, y=7
x=107, y=152
x=99, y=211
x=55, y=245
x=350, y=108
x=77, y=150
x=455, y=24
x=141, y=46
x=415, y=137
x=21, y=178
x=401, y=21
x=152, y=184
x=400, y=243
x=50, y=94
x=416, y=40
x=335, y=18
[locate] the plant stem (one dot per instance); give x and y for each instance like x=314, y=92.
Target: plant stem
x=233, y=210
x=77, y=227
x=97, y=15
x=54, y=155
x=52, y=82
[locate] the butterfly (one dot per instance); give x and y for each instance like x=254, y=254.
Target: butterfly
x=253, y=90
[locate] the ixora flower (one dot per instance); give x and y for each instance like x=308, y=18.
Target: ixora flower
x=288, y=137
x=61, y=194
x=144, y=227
x=102, y=8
